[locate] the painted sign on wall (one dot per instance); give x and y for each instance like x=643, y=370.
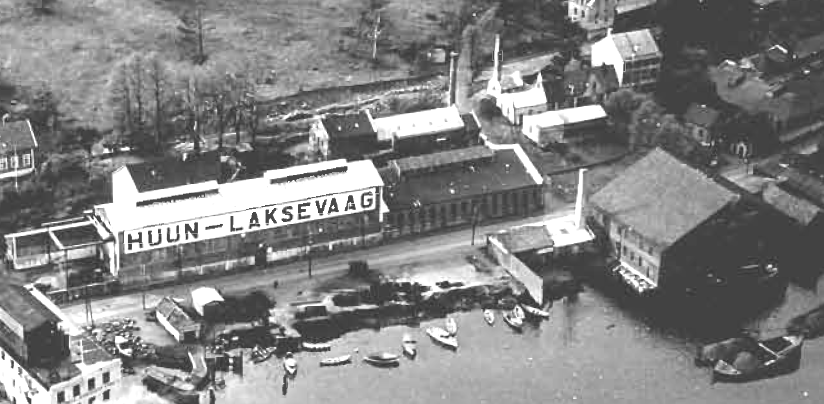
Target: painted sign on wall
x=257, y=219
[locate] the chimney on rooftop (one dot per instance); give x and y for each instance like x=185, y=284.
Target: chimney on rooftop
x=579, y=201
x=453, y=78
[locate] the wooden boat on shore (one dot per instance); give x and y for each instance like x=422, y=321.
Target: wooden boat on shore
x=161, y=380
x=442, y=337
x=489, y=317
x=535, y=312
x=512, y=320
x=409, y=346
x=316, y=347
x=768, y=358
x=451, y=326
x=336, y=361
x=290, y=364
x=259, y=354
x=518, y=311
x=382, y=359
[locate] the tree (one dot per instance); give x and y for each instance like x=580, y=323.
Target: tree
x=620, y=107
x=158, y=81
x=193, y=27
x=194, y=103
x=43, y=110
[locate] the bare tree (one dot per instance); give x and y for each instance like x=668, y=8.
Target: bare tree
x=193, y=27
x=158, y=81
x=135, y=77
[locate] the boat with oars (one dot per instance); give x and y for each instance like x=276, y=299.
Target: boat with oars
x=442, y=337
x=767, y=358
x=382, y=359
x=316, y=347
x=514, y=321
x=451, y=326
x=336, y=361
x=489, y=316
x=535, y=312
x=290, y=364
x=409, y=346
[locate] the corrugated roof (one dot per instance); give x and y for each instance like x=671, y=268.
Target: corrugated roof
x=701, y=115
x=636, y=44
x=349, y=125
x=175, y=314
x=173, y=172
x=525, y=238
x=24, y=308
x=427, y=122
x=414, y=164
x=662, y=198
x=16, y=134
x=793, y=206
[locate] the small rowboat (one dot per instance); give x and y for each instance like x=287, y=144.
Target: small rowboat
x=442, y=337
x=514, y=321
x=451, y=326
x=261, y=354
x=336, y=361
x=535, y=312
x=767, y=358
x=518, y=312
x=382, y=359
x=321, y=347
x=290, y=364
x=410, y=346
x=489, y=317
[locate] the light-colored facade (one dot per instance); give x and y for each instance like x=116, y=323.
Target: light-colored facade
x=17, y=146
x=564, y=125
x=91, y=379
x=515, y=106
x=635, y=56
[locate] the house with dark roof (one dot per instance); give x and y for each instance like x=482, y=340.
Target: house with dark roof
x=634, y=55
x=581, y=86
x=459, y=187
x=177, y=321
x=349, y=136
x=17, y=147
x=148, y=183
x=701, y=121
x=658, y=218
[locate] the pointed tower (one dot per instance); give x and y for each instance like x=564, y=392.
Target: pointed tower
x=493, y=87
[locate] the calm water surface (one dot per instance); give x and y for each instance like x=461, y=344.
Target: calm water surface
x=589, y=352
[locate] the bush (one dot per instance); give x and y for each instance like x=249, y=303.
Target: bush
x=487, y=107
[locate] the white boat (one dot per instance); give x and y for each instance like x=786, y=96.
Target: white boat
x=122, y=345
x=518, y=312
x=489, y=316
x=451, y=326
x=442, y=337
x=290, y=364
x=513, y=321
x=535, y=312
x=382, y=359
x=336, y=361
x=312, y=347
x=410, y=346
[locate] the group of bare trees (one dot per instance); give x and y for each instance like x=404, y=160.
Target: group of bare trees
x=153, y=105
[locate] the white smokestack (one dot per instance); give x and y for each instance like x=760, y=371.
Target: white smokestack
x=497, y=61
x=579, y=201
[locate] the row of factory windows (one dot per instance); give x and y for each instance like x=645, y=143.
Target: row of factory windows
x=91, y=384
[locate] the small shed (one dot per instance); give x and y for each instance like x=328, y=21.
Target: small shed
x=207, y=302
x=176, y=321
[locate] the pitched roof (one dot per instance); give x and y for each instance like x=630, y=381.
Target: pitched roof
x=17, y=134
x=701, y=115
x=349, y=125
x=533, y=97
x=24, y=308
x=791, y=205
x=175, y=314
x=437, y=120
x=626, y=6
x=662, y=198
x=636, y=44
x=525, y=238
x=173, y=172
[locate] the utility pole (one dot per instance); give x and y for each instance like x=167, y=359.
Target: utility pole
x=309, y=250
x=375, y=33
x=475, y=213
x=145, y=282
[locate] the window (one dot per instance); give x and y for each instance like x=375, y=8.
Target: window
x=76, y=390
x=106, y=377
x=464, y=207
x=26, y=160
x=107, y=395
x=61, y=396
x=14, y=161
x=3, y=163
x=453, y=210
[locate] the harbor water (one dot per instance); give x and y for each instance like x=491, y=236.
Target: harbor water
x=589, y=351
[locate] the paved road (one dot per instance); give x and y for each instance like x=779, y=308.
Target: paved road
x=444, y=244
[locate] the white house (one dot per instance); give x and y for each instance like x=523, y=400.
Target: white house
x=514, y=106
x=634, y=55
x=45, y=359
x=564, y=125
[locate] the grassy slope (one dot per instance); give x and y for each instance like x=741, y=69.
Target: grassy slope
x=74, y=49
